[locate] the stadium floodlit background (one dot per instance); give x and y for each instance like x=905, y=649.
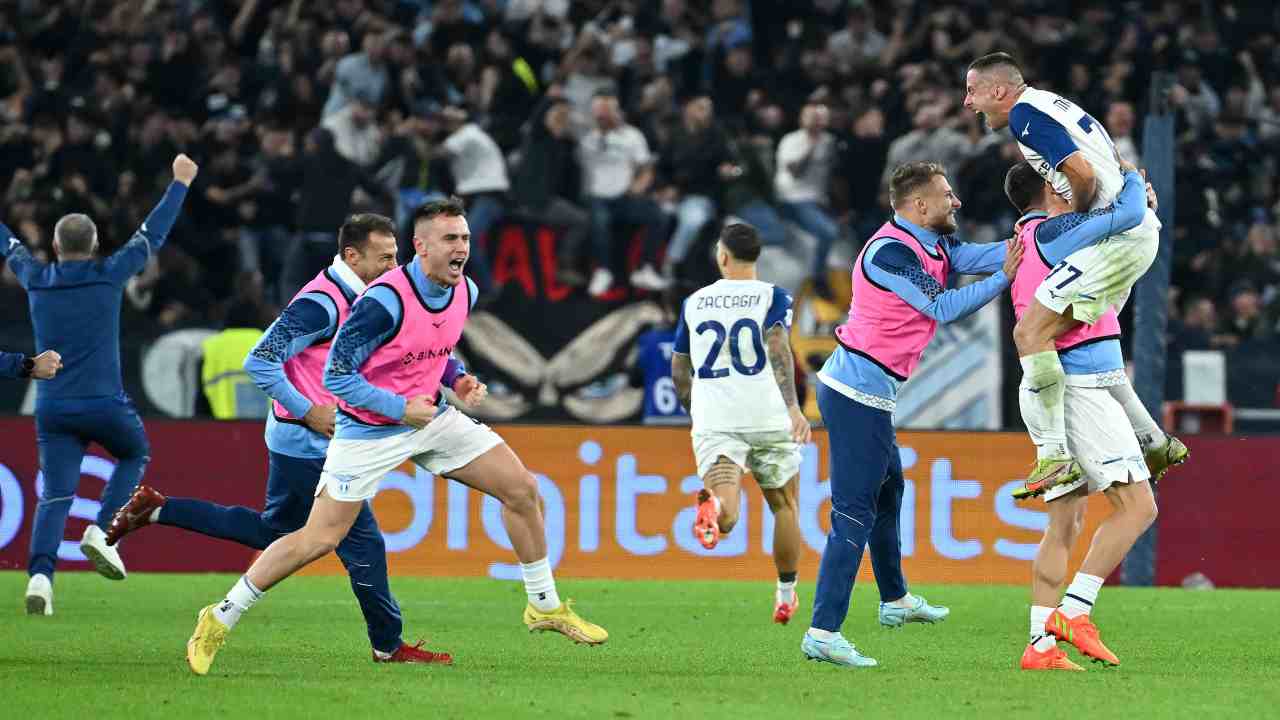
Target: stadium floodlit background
x=302, y=112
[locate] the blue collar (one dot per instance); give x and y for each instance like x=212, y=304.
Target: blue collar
x=928, y=238
x=1032, y=215
x=424, y=285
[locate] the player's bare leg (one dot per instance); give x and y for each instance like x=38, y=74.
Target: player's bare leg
x=328, y=523
x=1041, y=397
x=718, y=502
x=500, y=473
x=1133, y=511
x=784, y=502
x=1048, y=573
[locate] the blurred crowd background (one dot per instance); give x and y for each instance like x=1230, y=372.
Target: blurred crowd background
x=609, y=120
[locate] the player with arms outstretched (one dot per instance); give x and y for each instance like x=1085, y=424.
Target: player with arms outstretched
x=386, y=367
x=1073, y=152
x=742, y=398
x=1103, y=414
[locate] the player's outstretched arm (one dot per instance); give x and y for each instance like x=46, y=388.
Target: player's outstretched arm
x=784, y=373
x=305, y=321
x=150, y=237
x=1060, y=236
x=682, y=376
x=892, y=265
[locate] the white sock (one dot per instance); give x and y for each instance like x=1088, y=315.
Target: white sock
x=906, y=601
x=155, y=515
x=1081, y=594
x=239, y=599
x=823, y=635
x=1039, y=614
x=1144, y=426
x=786, y=592
x=1040, y=399
x=382, y=655
x=540, y=585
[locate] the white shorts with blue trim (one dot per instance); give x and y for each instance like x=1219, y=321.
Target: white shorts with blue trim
x=354, y=467
x=1099, y=277
x=1100, y=438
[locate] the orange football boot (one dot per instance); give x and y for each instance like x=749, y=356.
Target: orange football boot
x=1081, y=632
x=1052, y=659
x=706, y=527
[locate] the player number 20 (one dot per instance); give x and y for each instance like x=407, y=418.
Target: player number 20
x=733, y=334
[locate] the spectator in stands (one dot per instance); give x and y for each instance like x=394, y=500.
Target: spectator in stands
x=1120, y=123
x=695, y=163
x=618, y=173
x=861, y=164
x=328, y=181
x=1245, y=320
x=356, y=134
x=802, y=180
x=748, y=186
x=264, y=239
x=547, y=180
x=858, y=45
x=480, y=178
x=360, y=75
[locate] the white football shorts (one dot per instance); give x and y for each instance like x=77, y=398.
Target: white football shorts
x=772, y=457
x=1099, y=277
x=353, y=467
x=1100, y=438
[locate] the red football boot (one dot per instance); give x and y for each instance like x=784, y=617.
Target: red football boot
x=782, y=612
x=407, y=653
x=135, y=514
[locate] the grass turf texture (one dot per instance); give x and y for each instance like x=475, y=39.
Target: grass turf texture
x=705, y=649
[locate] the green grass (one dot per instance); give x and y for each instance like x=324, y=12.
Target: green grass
x=678, y=649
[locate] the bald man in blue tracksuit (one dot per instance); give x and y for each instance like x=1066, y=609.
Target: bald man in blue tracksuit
x=75, y=308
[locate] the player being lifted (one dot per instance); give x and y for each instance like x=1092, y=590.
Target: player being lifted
x=742, y=398
x=1074, y=154
x=1100, y=422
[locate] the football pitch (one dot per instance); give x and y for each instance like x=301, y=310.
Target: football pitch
x=677, y=649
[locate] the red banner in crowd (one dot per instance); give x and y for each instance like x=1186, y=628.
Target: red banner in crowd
x=619, y=504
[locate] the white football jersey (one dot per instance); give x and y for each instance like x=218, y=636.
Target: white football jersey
x=1048, y=128
x=722, y=328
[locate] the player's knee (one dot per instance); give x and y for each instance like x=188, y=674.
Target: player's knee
x=1146, y=510
x=522, y=496
x=728, y=519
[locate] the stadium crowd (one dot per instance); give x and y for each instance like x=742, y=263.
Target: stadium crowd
x=593, y=115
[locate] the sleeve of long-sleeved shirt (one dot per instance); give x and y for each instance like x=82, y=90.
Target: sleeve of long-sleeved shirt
x=372, y=321
x=893, y=266
x=307, y=320
x=1060, y=236
x=975, y=258
x=17, y=256
x=132, y=257
x=11, y=364
x=1035, y=129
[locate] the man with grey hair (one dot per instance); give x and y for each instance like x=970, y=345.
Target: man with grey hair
x=75, y=307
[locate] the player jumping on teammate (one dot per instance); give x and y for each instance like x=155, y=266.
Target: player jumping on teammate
x=1102, y=416
x=742, y=399
x=1074, y=153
